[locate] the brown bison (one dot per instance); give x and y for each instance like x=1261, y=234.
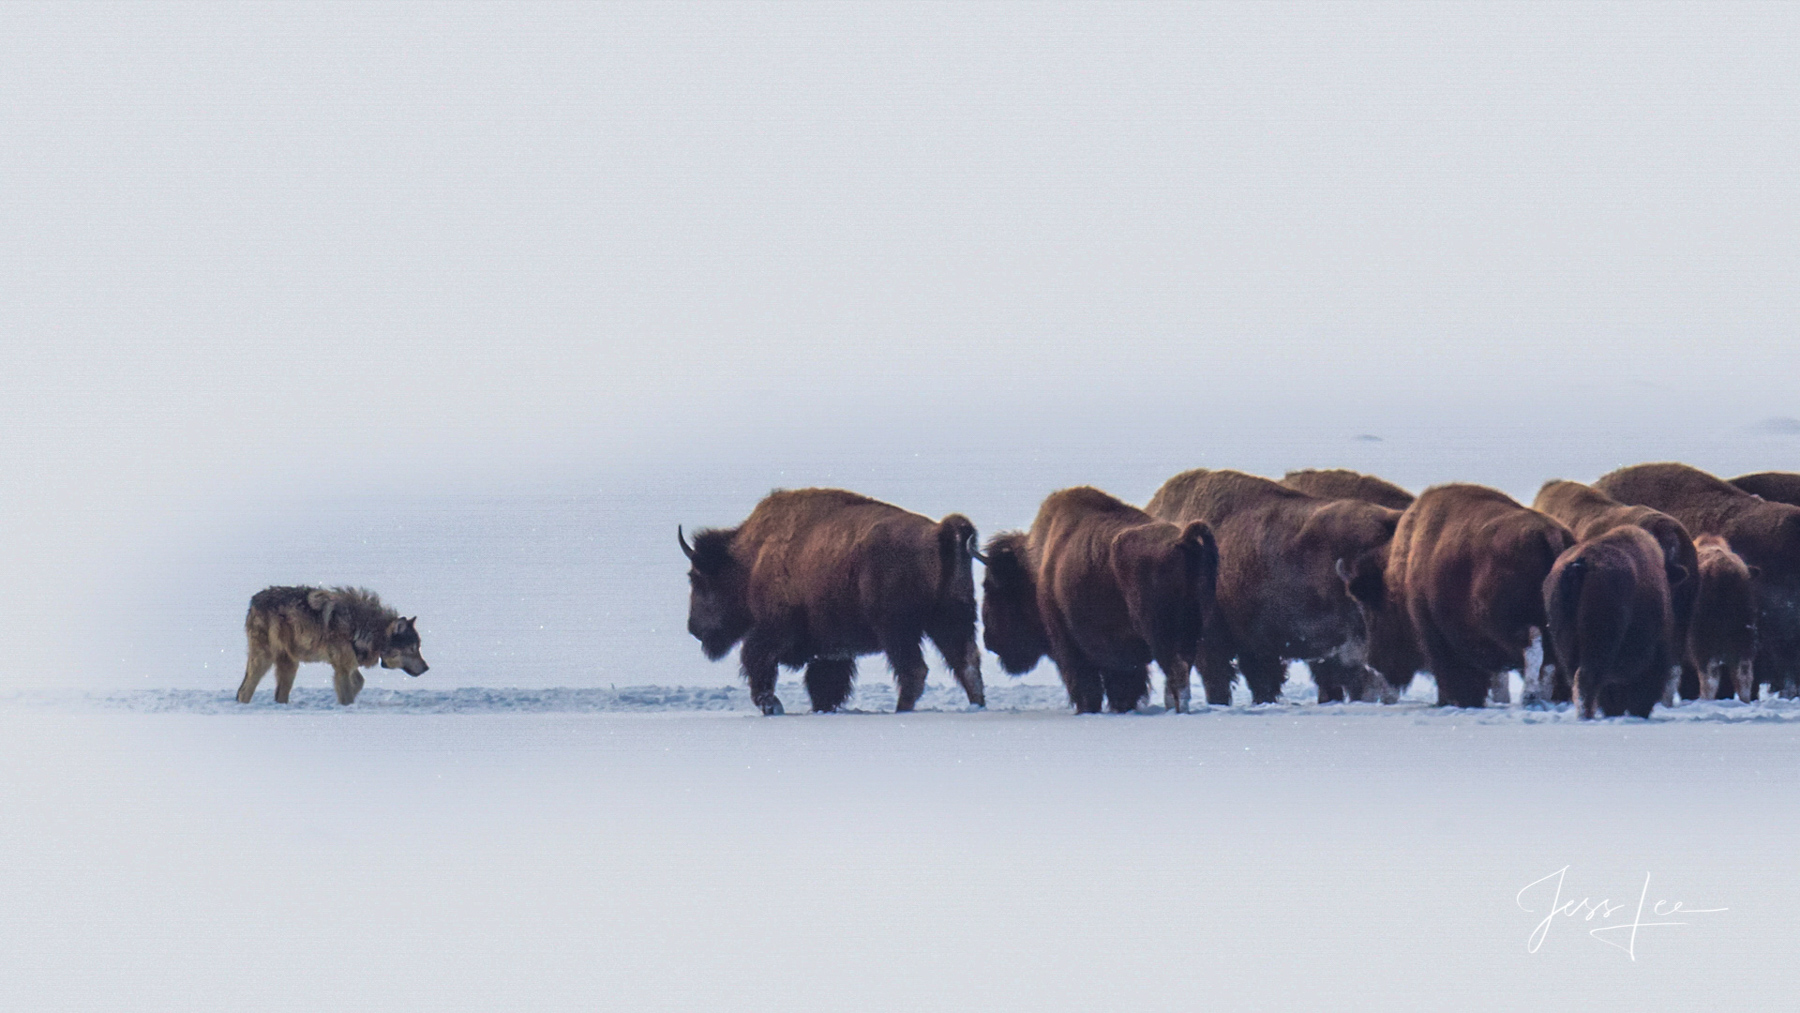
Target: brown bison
x=1341, y=483
x=1466, y=570
x=1721, y=640
x=1766, y=534
x=1590, y=513
x=1774, y=486
x=1394, y=651
x=1610, y=619
x=1104, y=589
x=815, y=577
x=1296, y=574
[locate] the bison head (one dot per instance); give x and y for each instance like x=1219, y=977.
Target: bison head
x=718, y=612
x=402, y=650
x=1010, y=624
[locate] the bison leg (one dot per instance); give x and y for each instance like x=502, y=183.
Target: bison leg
x=759, y=660
x=828, y=682
x=254, y=669
x=1086, y=690
x=1216, y=674
x=1176, y=684
x=1587, y=697
x=1745, y=681
x=1500, y=687
x=1264, y=676
x=1126, y=689
x=1690, y=681
x=1333, y=679
x=285, y=670
x=908, y=663
x=1531, y=674
x=963, y=656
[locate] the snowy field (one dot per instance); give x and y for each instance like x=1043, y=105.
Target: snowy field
x=660, y=848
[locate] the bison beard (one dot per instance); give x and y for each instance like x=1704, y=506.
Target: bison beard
x=1607, y=604
x=1104, y=589
x=815, y=577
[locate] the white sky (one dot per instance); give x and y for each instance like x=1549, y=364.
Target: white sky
x=246, y=249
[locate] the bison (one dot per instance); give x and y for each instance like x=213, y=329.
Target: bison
x=1774, y=486
x=1464, y=581
x=1721, y=640
x=1765, y=534
x=1589, y=513
x=1340, y=483
x=1104, y=589
x=815, y=577
x=1607, y=604
x=1296, y=575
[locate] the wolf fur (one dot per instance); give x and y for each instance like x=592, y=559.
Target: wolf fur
x=346, y=626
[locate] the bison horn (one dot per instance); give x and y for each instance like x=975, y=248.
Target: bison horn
x=686, y=549
x=1343, y=571
x=973, y=551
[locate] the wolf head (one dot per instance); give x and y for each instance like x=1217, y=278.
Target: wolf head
x=402, y=650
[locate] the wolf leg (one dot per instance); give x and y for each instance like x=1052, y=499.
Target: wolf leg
x=254, y=670
x=285, y=668
x=828, y=682
x=344, y=679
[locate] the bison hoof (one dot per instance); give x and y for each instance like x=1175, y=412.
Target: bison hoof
x=771, y=707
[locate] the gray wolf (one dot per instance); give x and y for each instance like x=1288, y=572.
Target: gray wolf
x=346, y=626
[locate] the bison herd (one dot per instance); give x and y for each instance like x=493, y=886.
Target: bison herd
x=1656, y=581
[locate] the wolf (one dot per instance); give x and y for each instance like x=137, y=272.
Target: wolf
x=346, y=626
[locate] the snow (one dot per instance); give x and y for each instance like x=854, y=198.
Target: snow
x=661, y=847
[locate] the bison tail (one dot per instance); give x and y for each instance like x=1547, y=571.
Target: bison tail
x=956, y=546
x=1562, y=605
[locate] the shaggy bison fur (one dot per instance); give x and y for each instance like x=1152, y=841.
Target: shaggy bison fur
x=1104, y=589
x=815, y=577
x=1341, y=483
x=1721, y=640
x=1774, y=486
x=1466, y=572
x=1590, y=513
x=1296, y=573
x=1607, y=604
x=1765, y=534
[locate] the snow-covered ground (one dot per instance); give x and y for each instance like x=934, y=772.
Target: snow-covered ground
x=664, y=848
